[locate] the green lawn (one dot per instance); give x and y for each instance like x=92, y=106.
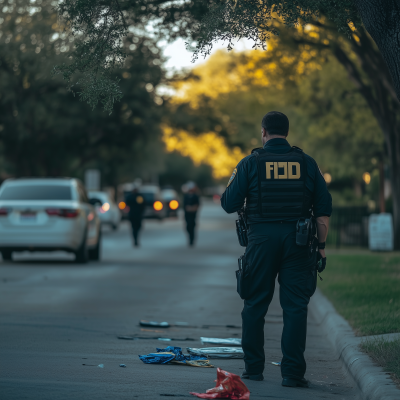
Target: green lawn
x=385, y=353
x=365, y=289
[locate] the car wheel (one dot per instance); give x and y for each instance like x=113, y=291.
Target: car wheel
x=82, y=254
x=114, y=227
x=94, y=254
x=7, y=255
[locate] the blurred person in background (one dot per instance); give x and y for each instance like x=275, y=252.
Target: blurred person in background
x=191, y=204
x=135, y=202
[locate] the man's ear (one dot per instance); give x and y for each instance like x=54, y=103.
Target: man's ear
x=264, y=132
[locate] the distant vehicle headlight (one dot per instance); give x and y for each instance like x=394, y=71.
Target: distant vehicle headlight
x=173, y=204
x=105, y=207
x=158, y=206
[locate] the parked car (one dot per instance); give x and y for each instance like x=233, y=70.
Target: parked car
x=106, y=208
x=39, y=214
x=171, y=200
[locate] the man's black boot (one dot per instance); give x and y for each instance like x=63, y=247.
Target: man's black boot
x=290, y=382
x=257, y=377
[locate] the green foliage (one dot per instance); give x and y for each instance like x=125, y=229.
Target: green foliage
x=103, y=28
x=179, y=169
x=44, y=131
x=365, y=289
x=253, y=19
x=99, y=26
x=98, y=29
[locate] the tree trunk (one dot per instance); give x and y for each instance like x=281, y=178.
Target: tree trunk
x=383, y=102
x=381, y=19
x=382, y=207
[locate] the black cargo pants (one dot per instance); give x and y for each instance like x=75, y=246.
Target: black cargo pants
x=275, y=253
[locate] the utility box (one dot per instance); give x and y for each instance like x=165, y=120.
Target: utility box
x=380, y=232
x=92, y=179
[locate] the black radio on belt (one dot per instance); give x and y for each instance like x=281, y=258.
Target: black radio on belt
x=241, y=228
x=304, y=231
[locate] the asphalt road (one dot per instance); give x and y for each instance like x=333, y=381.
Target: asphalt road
x=59, y=320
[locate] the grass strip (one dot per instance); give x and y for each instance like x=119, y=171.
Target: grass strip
x=365, y=289
x=386, y=353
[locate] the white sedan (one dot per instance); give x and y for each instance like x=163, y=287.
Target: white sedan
x=40, y=214
x=106, y=208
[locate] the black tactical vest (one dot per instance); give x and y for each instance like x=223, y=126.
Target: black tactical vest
x=282, y=191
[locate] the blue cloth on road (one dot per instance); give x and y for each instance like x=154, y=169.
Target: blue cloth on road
x=159, y=358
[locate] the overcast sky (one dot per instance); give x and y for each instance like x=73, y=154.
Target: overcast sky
x=179, y=57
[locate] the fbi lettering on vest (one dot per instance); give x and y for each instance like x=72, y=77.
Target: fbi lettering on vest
x=282, y=170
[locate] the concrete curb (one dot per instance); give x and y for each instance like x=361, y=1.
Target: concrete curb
x=374, y=383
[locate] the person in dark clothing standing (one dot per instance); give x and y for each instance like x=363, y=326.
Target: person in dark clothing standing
x=135, y=202
x=191, y=203
x=280, y=185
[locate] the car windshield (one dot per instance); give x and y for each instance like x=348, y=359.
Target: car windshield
x=148, y=197
x=36, y=192
x=168, y=194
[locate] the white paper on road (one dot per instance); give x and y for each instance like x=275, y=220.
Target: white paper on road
x=217, y=352
x=226, y=342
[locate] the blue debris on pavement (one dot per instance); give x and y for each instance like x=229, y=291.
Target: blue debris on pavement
x=174, y=355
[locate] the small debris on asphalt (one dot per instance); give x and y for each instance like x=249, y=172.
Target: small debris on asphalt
x=101, y=365
x=154, y=324
x=226, y=342
x=277, y=363
x=153, y=338
x=174, y=355
x=221, y=326
x=122, y=365
x=217, y=352
x=229, y=386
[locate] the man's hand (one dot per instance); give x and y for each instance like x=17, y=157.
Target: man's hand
x=321, y=260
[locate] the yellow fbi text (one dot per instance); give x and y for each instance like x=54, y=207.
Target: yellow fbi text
x=283, y=170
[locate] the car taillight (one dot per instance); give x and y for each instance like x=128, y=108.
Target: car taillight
x=158, y=206
x=63, y=212
x=4, y=212
x=173, y=204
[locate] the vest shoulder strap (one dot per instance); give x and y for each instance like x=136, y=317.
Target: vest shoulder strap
x=297, y=149
x=256, y=150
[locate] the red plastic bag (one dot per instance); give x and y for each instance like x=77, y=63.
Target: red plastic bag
x=229, y=386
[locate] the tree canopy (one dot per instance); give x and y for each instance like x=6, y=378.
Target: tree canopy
x=44, y=130
x=101, y=25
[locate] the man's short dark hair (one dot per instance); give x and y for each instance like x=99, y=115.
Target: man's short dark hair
x=276, y=123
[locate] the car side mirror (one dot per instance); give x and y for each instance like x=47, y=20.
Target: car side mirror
x=95, y=202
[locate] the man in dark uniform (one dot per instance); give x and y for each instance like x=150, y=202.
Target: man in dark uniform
x=135, y=202
x=191, y=204
x=280, y=184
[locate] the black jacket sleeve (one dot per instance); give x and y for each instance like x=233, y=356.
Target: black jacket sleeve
x=236, y=192
x=322, y=197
